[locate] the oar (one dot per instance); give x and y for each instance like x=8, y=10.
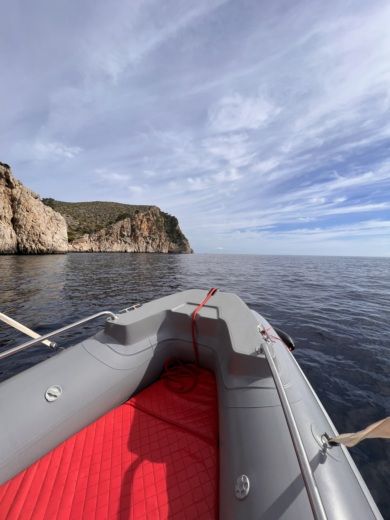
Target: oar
x=24, y=329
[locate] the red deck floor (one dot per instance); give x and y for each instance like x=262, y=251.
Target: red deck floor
x=154, y=457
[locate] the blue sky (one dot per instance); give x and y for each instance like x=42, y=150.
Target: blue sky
x=263, y=126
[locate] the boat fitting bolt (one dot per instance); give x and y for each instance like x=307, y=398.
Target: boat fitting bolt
x=53, y=393
x=242, y=487
x=327, y=444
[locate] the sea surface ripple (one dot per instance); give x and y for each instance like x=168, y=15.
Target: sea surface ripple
x=337, y=310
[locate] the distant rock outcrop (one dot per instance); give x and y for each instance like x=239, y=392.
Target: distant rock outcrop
x=115, y=227
x=26, y=224
x=147, y=231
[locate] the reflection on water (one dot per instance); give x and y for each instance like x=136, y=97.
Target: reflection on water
x=337, y=310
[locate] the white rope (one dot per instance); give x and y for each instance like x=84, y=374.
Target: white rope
x=24, y=329
x=378, y=430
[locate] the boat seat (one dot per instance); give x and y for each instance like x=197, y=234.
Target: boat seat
x=154, y=457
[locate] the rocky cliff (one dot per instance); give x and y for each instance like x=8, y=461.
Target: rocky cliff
x=112, y=226
x=144, y=232
x=30, y=225
x=26, y=224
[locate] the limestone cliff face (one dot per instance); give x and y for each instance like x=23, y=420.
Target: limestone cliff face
x=147, y=231
x=26, y=224
x=29, y=225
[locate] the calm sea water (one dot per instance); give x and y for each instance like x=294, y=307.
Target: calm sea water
x=336, y=309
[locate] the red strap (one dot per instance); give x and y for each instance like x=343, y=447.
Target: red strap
x=182, y=377
x=211, y=292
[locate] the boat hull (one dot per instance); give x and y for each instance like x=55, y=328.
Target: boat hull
x=102, y=372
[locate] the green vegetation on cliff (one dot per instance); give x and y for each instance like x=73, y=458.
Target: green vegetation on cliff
x=88, y=217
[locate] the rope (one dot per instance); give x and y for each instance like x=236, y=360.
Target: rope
x=378, y=430
x=194, y=315
x=179, y=376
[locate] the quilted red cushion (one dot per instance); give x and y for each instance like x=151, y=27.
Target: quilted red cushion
x=154, y=457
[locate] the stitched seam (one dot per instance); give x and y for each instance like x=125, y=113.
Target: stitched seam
x=99, y=473
x=43, y=480
x=89, y=474
x=171, y=423
x=20, y=487
x=8, y=487
x=78, y=476
x=111, y=450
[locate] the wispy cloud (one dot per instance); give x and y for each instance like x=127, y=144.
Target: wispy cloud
x=55, y=150
x=111, y=176
x=135, y=191
x=130, y=34
x=236, y=112
x=266, y=124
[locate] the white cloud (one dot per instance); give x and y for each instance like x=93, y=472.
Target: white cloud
x=227, y=176
x=265, y=166
x=107, y=175
x=341, y=240
x=235, y=149
x=55, y=150
x=283, y=120
x=130, y=33
x=135, y=190
x=198, y=183
x=150, y=174
x=318, y=200
x=364, y=228
x=236, y=112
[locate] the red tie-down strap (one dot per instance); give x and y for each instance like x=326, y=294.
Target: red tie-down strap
x=211, y=293
x=179, y=376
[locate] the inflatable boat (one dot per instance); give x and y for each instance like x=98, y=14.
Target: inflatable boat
x=191, y=406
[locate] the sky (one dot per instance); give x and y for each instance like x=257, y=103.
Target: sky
x=263, y=126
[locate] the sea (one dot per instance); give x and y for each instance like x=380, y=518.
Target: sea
x=337, y=309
